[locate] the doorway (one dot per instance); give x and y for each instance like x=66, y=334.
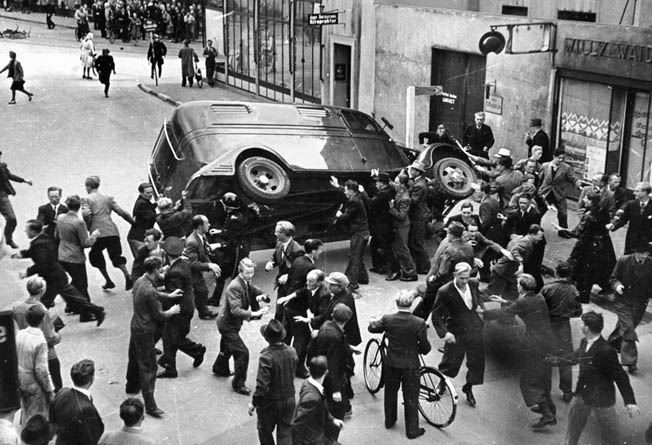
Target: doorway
x=462, y=76
x=341, y=75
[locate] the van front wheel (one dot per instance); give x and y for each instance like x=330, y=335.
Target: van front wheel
x=262, y=179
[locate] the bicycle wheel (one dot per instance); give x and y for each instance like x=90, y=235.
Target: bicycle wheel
x=437, y=398
x=374, y=356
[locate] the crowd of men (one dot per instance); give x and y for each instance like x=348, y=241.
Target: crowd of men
x=495, y=255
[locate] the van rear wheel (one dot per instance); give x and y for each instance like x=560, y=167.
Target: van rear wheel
x=262, y=179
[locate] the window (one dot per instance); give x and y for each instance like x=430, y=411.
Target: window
x=578, y=16
x=515, y=10
x=359, y=122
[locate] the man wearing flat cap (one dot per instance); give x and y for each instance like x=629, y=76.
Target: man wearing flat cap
x=331, y=342
x=536, y=136
x=380, y=224
x=451, y=251
x=419, y=215
x=273, y=398
x=407, y=339
x=177, y=327
x=338, y=287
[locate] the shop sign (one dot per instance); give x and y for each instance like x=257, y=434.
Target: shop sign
x=494, y=104
x=614, y=50
x=324, y=18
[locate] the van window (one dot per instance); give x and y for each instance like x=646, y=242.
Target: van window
x=360, y=123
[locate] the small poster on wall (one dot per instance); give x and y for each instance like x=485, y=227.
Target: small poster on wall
x=594, y=163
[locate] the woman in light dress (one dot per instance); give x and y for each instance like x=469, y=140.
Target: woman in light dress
x=87, y=53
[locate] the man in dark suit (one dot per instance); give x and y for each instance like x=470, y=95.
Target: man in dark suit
x=478, y=137
x=556, y=175
x=520, y=220
x=407, y=339
x=312, y=423
x=338, y=287
x=273, y=399
x=331, y=342
x=144, y=216
x=48, y=213
x=536, y=373
x=42, y=253
x=241, y=304
x=631, y=279
x=316, y=291
x=355, y=218
x=6, y=209
x=73, y=412
x=537, y=137
x=599, y=370
x=456, y=320
x=287, y=249
x=638, y=212
x=419, y=215
x=466, y=216
x=297, y=303
x=380, y=224
x=198, y=253
x=177, y=327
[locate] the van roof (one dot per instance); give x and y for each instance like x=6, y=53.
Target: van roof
x=207, y=114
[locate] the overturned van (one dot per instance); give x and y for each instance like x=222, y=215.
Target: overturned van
x=277, y=157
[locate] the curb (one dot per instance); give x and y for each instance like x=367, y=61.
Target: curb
x=163, y=97
x=39, y=22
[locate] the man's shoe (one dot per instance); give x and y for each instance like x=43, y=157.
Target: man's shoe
x=132, y=391
x=207, y=315
x=567, y=397
x=100, y=316
x=469, y=395
x=108, y=285
x=632, y=369
x=223, y=374
x=348, y=414
x=243, y=390
x=363, y=282
x=156, y=412
x=409, y=278
x=12, y=102
x=200, y=358
x=389, y=426
x=393, y=276
x=376, y=270
x=129, y=283
x=544, y=422
x=157, y=351
x=167, y=374
x=11, y=243
x=536, y=409
x=85, y=318
x=421, y=432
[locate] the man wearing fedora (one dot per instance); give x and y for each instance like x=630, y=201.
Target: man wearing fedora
x=536, y=136
x=273, y=399
x=380, y=224
x=241, y=304
x=37, y=431
x=407, y=339
x=177, y=327
x=478, y=136
x=419, y=215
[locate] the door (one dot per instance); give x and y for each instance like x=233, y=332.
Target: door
x=341, y=75
x=462, y=76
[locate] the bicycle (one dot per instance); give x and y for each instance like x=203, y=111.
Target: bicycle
x=437, y=395
x=15, y=33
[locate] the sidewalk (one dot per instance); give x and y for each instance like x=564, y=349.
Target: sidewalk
x=173, y=93
x=39, y=17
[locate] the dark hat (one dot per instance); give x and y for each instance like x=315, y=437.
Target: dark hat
x=456, y=228
x=273, y=331
x=173, y=245
x=342, y=313
x=37, y=431
x=535, y=122
x=418, y=165
x=559, y=152
x=382, y=177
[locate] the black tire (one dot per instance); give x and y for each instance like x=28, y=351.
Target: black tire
x=452, y=177
x=374, y=357
x=262, y=179
x=437, y=398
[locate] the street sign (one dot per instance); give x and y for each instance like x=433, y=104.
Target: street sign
x=9, y=398
x=324, y=18
x=150, y=28
x=433, y=90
